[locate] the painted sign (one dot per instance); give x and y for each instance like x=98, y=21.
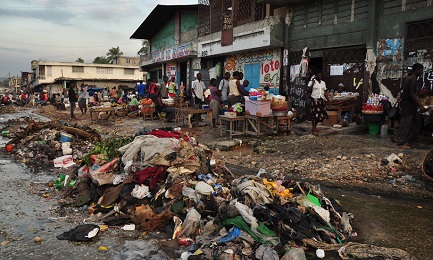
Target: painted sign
x=268, y=62
x=172, y=53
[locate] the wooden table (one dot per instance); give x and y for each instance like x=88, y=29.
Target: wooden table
x=279, y=120
x=189, y=112
x=259, y=125
x=340, y=108
x=235, y=122
x=108, y=110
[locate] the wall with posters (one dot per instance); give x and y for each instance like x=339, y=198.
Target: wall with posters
x=260, y=67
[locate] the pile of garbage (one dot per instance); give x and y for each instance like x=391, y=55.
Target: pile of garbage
x=164, y=180
x=42, y=145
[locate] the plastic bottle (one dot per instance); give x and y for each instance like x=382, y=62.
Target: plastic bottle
x=182, y=90
x=5, y=133
x=384, y=130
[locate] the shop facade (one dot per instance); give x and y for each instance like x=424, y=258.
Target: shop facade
x=172, y=33
x=368, y=46
x=246, y=37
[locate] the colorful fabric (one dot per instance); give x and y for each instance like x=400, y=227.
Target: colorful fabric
x=318, y=111
x=166, y=134
x=155, y=174
x=240, y=223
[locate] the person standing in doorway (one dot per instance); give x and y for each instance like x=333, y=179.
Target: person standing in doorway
x=172, y=88
x=317, y=87
x=198, y=91
x=224, y=87
x=410, y=121
x=72, y=98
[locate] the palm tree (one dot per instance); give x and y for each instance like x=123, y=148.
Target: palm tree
x=80, y=60
x=145, y=48
x=114, y=53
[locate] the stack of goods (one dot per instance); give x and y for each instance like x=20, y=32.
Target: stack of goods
x=255, y=95
x=373, y=104
x=279, y=105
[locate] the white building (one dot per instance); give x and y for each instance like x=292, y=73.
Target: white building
x=56, y=76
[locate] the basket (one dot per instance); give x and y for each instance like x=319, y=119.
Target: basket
x=428, y=157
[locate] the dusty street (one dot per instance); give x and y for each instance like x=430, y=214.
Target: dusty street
x=392, y=206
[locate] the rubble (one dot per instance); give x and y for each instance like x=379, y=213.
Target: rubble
x=39, y=144
x=164, y=180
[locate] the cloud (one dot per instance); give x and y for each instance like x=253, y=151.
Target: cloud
x=14, y=49
x=55, y=15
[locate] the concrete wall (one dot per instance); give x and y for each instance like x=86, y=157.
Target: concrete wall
x=394, y=54
x=165, y=37
x=328, y=24
x=267, y=33
x=188, y=26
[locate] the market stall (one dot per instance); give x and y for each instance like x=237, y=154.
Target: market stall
x=343, y=103
x=373, y=114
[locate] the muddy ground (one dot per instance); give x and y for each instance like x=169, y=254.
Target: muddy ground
x=392, y=205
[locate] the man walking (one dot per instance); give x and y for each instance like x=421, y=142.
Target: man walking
x=410, y=122
x=72, y=98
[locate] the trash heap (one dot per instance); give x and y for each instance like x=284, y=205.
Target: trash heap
x=164, y=180
x=42, y=145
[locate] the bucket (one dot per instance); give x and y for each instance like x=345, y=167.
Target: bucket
x=64, y=137
x=374, y=128
x=384, y=130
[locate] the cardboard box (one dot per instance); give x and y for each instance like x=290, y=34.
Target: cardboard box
x=262, y=106
x=332, y=118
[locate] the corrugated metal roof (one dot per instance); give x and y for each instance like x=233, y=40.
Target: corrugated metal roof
x=157, y=19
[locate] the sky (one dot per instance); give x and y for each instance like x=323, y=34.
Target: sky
x=65, y=30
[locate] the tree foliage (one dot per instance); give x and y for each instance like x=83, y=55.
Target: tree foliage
x=80, y=60
x=145, y=46
x=101, y=60
x=113, y=53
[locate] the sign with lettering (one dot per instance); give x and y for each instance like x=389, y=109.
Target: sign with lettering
x=298, y=91
x=269, y=63
x=172, y=53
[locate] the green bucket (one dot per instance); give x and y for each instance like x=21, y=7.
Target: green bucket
x=374, y=128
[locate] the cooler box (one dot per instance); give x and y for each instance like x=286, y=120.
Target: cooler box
x=255, y=106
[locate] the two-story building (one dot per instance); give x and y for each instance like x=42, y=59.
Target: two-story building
x=245, y=36
x=172, y=33
x=56, y=76
x=367, y=45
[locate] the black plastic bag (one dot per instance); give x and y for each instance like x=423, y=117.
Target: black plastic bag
x=394, y=112
x=80, y=233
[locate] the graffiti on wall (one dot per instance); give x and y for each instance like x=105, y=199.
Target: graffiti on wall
x=389, y=49
x=269, y=61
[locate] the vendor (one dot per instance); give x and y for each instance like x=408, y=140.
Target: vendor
x=216, y=100
x=317, y=87
x=161, y=108
x=235, y=89
x=133, y=105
